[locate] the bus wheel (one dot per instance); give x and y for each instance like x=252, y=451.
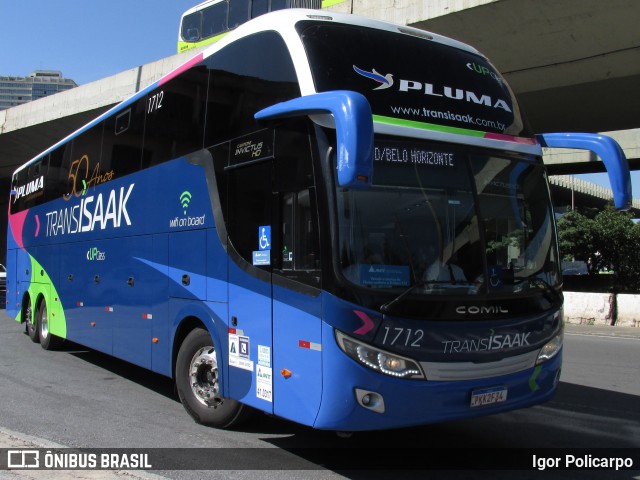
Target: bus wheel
x=31, y=322
x=198, y=384
x=47, y=340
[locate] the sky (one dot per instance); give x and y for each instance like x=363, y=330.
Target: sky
x=87, y=39
x=91, y=39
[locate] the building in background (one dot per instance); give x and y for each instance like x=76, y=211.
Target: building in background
x=40, y=83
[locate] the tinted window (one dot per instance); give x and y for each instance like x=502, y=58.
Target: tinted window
x=413, y=78
x=278, y=5
x=245, y=77
x=278, y=193
x=238, y=12
x=293, y=179
x=175, y=115
x=249, y=206
x=123, y=140
x=214, y=20
x=191, y=27
x=259, y=7
x=85, y=169
x=28, y=186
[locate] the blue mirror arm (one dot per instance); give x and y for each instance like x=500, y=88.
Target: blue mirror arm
x=608, y=150
x=354, y=129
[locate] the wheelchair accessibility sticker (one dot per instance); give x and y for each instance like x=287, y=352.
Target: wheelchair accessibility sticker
x=263, y=255
x=264, y=237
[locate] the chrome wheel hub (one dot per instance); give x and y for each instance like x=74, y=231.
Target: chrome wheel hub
x=203, y=375
x=44, y=324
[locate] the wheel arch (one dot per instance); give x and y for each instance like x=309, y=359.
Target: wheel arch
x=34, y=295
x=188, y=315
x=185, y=326
x=26, y=298
x=40, y=297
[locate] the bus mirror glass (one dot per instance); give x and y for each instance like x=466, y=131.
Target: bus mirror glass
x=608, y=150
x=354, y=130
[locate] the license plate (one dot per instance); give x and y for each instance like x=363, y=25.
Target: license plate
x=488, y=396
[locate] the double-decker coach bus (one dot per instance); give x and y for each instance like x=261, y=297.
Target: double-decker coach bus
x=331, y=219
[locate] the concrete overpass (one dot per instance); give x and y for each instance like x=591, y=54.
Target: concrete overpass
x=574, y=64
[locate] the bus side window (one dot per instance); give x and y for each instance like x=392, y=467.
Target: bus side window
x=191, y=26
x=294, y=180
x=249, y=206
x=85, y=169
x=300, y=249
x=214, y=20
x=175, y=117
x=30, y=185
x=122, y=147
x=56, y=186
x=278, y=5
x=245, y=77
x=238, y=12
x=259, y=7
x=66, y=176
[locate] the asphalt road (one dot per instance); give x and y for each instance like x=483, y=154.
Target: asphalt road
x=82, y=399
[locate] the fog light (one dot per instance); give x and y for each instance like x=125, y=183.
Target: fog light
x=370, y=400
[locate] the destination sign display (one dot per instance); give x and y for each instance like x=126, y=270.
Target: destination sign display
x=414, y=155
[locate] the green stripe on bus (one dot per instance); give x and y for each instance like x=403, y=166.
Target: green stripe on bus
x=185, y=46
x=427, y=126
x=331, y=3
x=532, y=381
x=41, y=284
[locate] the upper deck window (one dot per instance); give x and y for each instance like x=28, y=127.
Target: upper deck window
x=412, y=78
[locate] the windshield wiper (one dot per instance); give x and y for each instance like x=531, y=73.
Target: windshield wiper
x=384, y=308
x=550, y=293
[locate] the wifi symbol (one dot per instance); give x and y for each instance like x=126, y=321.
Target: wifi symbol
x=185, y=199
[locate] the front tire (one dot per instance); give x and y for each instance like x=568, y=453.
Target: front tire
x=48, y=341
x=198, y=383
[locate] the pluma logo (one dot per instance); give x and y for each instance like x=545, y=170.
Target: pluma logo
x=385, y=81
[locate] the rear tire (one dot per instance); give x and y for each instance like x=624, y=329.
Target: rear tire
x=48, y=341
x=198, y=384
x=31, y=326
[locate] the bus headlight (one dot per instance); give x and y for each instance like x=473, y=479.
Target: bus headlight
x=550, y=349
x=379, y=360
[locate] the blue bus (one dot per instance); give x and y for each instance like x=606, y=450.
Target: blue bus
x=331, y=219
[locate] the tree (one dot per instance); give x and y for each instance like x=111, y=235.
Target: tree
x=575, y=237
x=617, y=239
x=609, y=240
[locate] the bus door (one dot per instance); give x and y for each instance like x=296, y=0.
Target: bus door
x=297, y=352
x=297, y=328
x=250, y=228
x=274, y=301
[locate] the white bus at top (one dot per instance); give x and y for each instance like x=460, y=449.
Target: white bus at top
x=208, y=21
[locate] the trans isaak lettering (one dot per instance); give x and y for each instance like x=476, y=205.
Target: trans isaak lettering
x=92, y=211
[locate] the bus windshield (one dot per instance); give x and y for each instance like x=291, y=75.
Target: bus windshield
x=412, y=78
x=442, y=220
